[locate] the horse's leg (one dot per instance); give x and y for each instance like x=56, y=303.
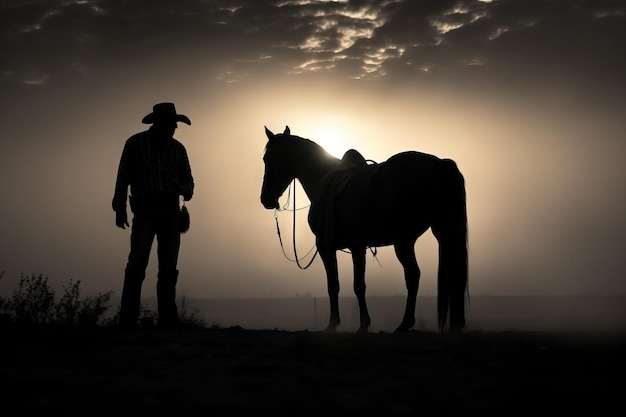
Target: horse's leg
x=406, y=255
x=329, y=258
x=358, y=264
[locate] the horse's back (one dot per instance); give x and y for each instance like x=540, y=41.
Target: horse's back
x=404, y=178
x=380, y=203
x=412, y=166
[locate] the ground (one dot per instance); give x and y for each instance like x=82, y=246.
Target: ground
x=104, y=371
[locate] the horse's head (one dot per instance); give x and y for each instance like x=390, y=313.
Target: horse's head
x=279, y=169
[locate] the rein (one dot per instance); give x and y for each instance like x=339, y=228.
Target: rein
x=295, y=251
x=296, y=259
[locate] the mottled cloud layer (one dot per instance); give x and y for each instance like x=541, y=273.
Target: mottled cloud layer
x=513, y=41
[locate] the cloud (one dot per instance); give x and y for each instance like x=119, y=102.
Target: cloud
x=357, y=39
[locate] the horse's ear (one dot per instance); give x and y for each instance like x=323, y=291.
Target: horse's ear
x=287, y=131
x=269, y=133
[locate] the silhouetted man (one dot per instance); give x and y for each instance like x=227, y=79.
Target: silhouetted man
x=157, y=169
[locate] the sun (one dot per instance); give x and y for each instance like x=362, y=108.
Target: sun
x=331, y=138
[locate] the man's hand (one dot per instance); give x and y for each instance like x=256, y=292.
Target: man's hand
x=121, y=219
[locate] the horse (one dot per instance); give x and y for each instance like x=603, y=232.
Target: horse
x=356, y=205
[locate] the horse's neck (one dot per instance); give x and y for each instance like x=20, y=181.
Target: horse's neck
x=312, y=170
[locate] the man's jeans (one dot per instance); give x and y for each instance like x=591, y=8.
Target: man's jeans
x=164, y=225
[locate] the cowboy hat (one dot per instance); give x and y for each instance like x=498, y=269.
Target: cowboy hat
x=165, y=112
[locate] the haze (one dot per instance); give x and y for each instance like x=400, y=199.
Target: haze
x=527, y=97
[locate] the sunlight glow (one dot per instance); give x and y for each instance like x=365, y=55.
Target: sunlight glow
x=330, y=138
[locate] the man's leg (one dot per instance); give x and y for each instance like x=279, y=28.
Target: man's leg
x=141, y=238
x=168, y=238
x=166, y=298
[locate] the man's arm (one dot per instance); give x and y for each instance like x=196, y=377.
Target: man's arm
x=184, y=184
x=121, y=189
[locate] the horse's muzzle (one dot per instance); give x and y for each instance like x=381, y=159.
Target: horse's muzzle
x=270, y=203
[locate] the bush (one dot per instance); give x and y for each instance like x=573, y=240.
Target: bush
x=33, y=302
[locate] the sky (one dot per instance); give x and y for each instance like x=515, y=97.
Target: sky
x=527, y=97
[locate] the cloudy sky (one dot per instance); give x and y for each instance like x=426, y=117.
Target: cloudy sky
x=528, y=97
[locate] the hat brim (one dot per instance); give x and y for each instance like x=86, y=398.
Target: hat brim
x=151, y=118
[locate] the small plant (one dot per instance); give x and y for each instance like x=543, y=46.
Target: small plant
x=73, y=310
x=190, y=319
x=32, y=301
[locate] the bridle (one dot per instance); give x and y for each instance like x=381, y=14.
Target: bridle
x=293, y=237
x=295, y=251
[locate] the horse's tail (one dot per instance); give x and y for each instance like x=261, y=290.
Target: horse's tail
x=450, y=229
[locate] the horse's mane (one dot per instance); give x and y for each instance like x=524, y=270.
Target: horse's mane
x=300, y=142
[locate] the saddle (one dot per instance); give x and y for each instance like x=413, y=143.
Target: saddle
x=350, y=160
x=322, y=212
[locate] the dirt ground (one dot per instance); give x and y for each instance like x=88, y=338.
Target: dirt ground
x=105, y=371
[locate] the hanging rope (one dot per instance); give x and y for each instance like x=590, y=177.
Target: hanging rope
x=296, y=259
x=295, y=251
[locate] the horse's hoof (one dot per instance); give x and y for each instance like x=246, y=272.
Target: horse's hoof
x=330, y=329
x=402, y=329
x=456, y=329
